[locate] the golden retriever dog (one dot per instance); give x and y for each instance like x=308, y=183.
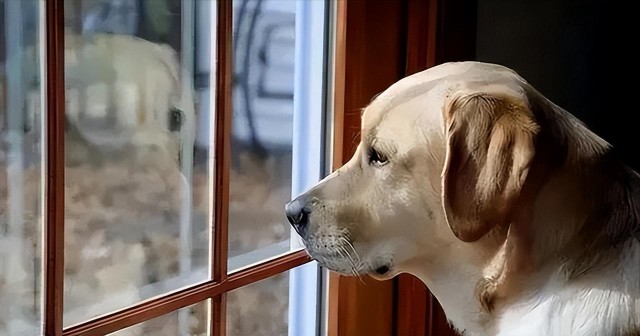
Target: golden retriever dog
x=519, y=219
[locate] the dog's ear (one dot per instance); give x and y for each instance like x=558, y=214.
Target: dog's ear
x=490, y=147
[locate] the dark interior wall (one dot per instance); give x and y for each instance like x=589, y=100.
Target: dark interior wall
x=575, y=52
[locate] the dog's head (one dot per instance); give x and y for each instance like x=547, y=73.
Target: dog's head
x=443, y=158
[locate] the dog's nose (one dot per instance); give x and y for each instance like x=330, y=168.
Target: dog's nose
x=298, y=214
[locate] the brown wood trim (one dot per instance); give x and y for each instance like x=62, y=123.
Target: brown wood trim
x=54, y=228
x=416, y=19
x=333, y=306
x=162, y=305
x=339, y=72
x=222, y=157
x=412, y=306
x=438, y=323
x=422, y=17
x=266, y=269
x=370, y=56
x=219, y=315
x=431, y=33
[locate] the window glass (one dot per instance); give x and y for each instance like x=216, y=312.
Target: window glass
x=138, y=204
x=280, y=64
x=277, y=139
x=188, y=321
x=259, y=309
x=263, y=55
x=21, y=167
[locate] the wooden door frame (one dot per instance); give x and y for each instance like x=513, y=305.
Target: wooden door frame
x=378, y=43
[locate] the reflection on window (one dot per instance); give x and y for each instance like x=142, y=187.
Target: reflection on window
x=137, y=212
x=21, y=169
x=138, y=159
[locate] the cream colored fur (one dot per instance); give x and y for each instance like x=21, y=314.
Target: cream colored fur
x=519, y=219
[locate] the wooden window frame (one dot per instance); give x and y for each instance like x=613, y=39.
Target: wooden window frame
x=220, y=281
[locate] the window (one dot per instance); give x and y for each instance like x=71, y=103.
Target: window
x=147, y=148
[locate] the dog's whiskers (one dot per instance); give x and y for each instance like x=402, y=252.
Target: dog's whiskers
x=354, y=267
x=337, y=250
x=348, y=243
x=352, y=250
x=356, y=264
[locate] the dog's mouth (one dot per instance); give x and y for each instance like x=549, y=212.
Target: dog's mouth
x=343, y=267
x=349, y=267
x=334, y=254
x=383, y=270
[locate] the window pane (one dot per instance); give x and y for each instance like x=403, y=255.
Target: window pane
x=260, y=184
x=21, y=169
x=138, y=169
x=273, y=40
x=188, y=321
x=259, y=309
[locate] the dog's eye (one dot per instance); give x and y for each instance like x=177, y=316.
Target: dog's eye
x=376, y=158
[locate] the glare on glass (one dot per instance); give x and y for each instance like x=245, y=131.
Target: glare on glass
x=21, y=167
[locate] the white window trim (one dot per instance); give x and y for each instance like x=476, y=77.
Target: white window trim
x=309, y=100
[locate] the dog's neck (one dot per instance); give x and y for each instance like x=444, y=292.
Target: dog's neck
x=454, y=287
x=576, y=248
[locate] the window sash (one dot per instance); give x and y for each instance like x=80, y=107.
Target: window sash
x=220, y=282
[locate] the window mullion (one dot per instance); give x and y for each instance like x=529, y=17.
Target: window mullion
x=54, y=222
x=222, y=157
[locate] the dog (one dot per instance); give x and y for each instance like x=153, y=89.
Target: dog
x=519, y=219
x=121, y=90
